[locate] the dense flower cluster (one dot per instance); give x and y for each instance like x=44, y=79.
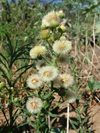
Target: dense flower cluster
x=48, y=58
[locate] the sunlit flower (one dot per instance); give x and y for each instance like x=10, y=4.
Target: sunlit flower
x=62, y=46
x=51, y=19
x=34, y=81
x=48, y=73
x=64, y=80
x=34, y=105
x=40, y=64
x=62, y=60
x=69, y=96
x=37, y=51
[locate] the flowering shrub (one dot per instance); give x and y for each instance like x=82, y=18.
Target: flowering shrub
x=48, y=78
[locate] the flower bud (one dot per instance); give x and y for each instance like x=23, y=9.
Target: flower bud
x=50, y=39
x=2, y=84
x=16, y=100
x=54, y=24
x=62, y=28
x=45, y=34
x=43, y=27
x=61, y=14
x=12, y=89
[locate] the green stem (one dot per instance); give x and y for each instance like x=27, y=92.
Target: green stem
x=11, y=110
x=54, y=60
x=90, y=100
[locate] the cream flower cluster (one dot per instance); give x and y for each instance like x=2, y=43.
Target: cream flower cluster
x=50, y=18
x=47, y=73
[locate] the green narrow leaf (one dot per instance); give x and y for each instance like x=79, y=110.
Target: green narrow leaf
x=22, y=68
x=85, y=120
x=5, y=76
x=53, y=115
x=47, y=95
x=74, y=127
x=74, y=122
x=20, y=90
x=83, y=110
x=22, y=124
x=2, y=108
x=3, y=64
x=3, y=57
x=21, y=74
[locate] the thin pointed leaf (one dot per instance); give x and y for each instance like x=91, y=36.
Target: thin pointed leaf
x=3, y=64
x=16, y=57
x=21, y=68
x=83, y=110
x=19, y=91
x=74, y=127
x=85, y=120
x=21, y=74
x=4, y=75
x=74, y=122
x=23, y=47
x=2, y=108
x=53, y=115
x=22, y=124
x=3, y=57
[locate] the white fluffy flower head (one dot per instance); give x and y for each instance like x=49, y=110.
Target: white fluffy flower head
x=34, y=105
x=69, y=96
x=51, y=16
x=34, y=81
x=64, y=80
x=37, y=51
x=48, y=73
x=62, y=46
